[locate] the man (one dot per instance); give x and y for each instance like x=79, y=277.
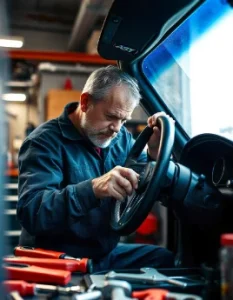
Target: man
x=71, y=173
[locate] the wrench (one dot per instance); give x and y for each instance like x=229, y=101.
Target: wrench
x=161, y=294
x=148, y=275
x=117, y=290
x=94, y=295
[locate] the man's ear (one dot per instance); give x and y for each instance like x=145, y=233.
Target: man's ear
x=85, y=101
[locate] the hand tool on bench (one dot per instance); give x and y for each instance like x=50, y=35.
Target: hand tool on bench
x=85, y=263
x=161, y=294
x=30, y=289
x=112, y=289
x=93, y=295
x=53, y=263
x=117, y=290
x=36, y=274
x=148, y=276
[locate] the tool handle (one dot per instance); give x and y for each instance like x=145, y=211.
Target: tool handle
x=152, y=294
x=161, y=294
x=83, y=265
x=36, y=274
x=22, y=287
x=37, y=252
x=53, y=263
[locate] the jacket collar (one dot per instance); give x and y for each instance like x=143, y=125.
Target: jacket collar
x=66, y=126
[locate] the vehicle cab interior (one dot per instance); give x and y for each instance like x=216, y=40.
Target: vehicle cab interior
x=180, y=52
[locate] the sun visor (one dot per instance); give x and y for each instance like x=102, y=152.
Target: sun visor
x=131, y=25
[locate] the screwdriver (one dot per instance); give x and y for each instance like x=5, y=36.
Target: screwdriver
x=53, y=263
x=86, y=264
x=31, y=289
x=36, y=274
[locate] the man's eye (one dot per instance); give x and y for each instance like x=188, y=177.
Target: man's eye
x=111, y=118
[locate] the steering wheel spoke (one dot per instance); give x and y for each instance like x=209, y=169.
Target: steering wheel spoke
x=130, y=205
x=127, y=215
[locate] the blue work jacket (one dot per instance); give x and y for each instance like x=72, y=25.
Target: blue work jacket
x=57, y=206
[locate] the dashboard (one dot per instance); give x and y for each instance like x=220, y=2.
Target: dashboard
x=211, y=155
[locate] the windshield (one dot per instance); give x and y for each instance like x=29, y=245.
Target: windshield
x=192, y=70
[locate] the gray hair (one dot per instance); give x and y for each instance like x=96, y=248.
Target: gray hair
x=103, y=79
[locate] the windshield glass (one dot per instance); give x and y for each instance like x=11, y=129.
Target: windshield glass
x=191, y=70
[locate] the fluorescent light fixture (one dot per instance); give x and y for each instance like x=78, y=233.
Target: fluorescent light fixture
x=11, y=41
x=14, y=97
x=20, y=84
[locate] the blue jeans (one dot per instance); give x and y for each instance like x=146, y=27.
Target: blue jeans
x=135, y=256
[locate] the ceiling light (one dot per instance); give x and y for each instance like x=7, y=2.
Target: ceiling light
x=11, y=41
x=14, y=97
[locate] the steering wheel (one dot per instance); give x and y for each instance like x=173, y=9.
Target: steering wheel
x=128, y=214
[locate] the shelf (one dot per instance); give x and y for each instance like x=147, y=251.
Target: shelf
x=73, y=57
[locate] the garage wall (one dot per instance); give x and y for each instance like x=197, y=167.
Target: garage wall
x=56, y=81
x=41, y=40
x=50, y=80
x=18, y=114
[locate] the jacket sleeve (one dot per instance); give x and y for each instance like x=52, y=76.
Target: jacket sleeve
x=45, y=203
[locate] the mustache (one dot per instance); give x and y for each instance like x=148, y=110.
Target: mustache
x=107, y=132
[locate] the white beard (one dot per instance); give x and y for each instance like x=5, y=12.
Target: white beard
x=99, y=143
x=93, y=134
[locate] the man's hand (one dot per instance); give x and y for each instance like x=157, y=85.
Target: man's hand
x=154, y=141
x=117, y=183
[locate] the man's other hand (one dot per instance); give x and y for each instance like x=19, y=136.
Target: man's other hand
x=154, y=141
x=117, y=183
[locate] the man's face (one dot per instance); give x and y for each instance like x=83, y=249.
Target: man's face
x=103, y=120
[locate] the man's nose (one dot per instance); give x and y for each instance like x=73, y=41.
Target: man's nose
x=116, y=126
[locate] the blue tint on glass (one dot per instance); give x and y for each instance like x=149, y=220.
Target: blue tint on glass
x=180, y=40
